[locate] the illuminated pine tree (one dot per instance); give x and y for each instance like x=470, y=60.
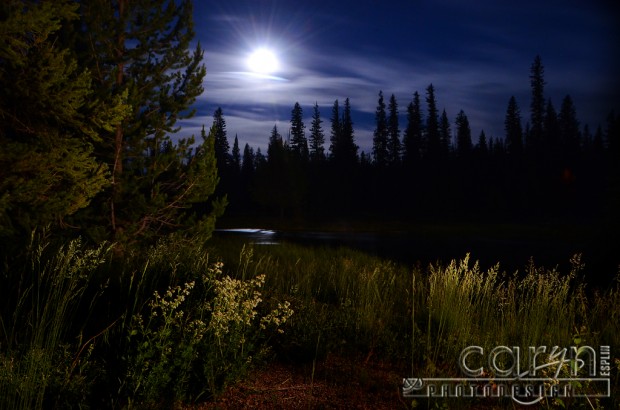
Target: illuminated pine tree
x=50, y=121
x=141, y=49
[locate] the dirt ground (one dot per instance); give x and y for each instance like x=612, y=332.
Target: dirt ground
x=335, y=383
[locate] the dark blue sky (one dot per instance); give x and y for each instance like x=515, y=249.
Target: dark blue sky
x=476, y=54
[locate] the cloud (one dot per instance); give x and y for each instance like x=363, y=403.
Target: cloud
x=252, y=104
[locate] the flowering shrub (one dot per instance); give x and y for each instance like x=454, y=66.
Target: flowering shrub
x=183, y=339
x=236, y=328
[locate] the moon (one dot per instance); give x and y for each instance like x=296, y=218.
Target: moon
x=263, y=61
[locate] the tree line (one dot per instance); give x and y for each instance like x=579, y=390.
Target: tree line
x=545, y=169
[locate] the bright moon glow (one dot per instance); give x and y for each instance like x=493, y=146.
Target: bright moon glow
x=263, y=61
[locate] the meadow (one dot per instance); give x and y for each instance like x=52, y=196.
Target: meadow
x=176, y=323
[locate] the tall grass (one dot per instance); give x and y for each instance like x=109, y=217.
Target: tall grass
x=35, y=333
x=539, y=308
x=353, y=299
x=425, y=317
x=172, y=324
x=154, y=329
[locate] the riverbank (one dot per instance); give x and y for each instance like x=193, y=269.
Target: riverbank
x=514, y=245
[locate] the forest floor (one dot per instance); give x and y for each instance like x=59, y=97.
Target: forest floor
x=335, y=383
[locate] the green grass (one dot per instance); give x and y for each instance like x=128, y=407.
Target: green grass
x=173, y=325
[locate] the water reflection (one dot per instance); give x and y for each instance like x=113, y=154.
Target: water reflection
x=252, y=235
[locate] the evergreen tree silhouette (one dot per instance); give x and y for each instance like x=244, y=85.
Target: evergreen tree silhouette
x=336, y=132
x=444, y=134
x=299, y=143
x=481, y=146
x=551, y=131
x=612, y=136
x=463, y=135
x=236, y=156
x=432, y=144
x=274, y=182
x=512, y=127
x=412, y=140
x=393, y=146
x=343, y=149
x=276, y=150
x=317, y=137
x=380, y=135
x=349, y=148
x=537, y=105
x=246, y=180
x=222, y=146
x=569, y=129
x=247, y=164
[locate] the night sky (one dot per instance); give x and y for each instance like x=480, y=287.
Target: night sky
x=476, y=54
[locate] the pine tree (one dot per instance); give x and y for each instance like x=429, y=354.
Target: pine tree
x=537, y=107
x=463, y=135
x=259, y=159
x=598, y=142
x=412, y=140
x=569, y=127
x=317, y=138
x=275, y=149
x=336, y=131
x=248, y=163
x=394, y=146
x=50, y=120
x=551, y=130
x=348, y=146
x=612, y=137
x=222, y=147
x=236, y=156
x=246, y=179
x=444, y=134
x=343, y=150
x=141, y=49
x=482, y=147
x=512, y=126
x=278, y=186
x=380, y=135
x=433, y=143
x=299, y=143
